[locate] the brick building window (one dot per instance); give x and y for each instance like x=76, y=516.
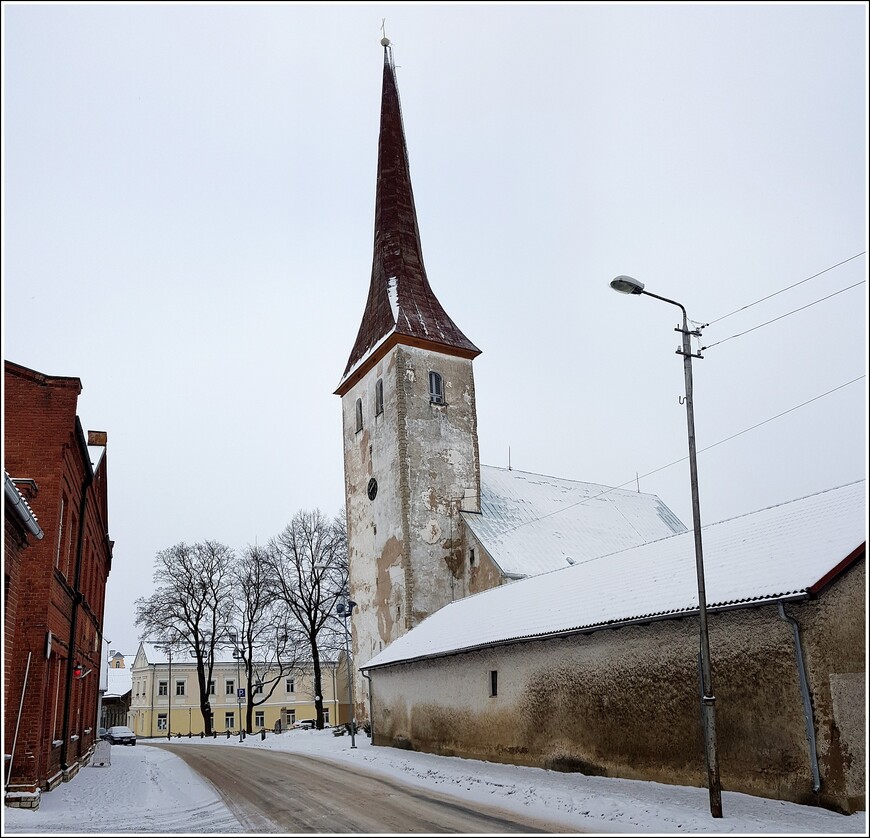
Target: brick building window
x=211, y=687
x=229, y=720
x=162, y=688
x=290, y=685
x=259, y=718
x=230, y=687
x=161, y=721
x=179, y=687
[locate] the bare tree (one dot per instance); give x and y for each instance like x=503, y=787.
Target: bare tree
x=308, y=562
x=270, y=641
x=193, y=594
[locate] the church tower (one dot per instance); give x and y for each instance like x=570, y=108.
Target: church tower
x=411, y=457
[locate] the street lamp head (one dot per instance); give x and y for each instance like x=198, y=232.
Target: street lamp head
x=626, y=285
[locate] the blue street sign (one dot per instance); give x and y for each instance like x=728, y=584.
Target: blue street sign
x=241, y=692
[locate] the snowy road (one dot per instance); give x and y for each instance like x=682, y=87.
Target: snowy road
x=271, y=791
x=153, y=791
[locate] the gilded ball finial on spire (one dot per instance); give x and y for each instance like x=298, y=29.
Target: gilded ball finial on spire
x=385, y=42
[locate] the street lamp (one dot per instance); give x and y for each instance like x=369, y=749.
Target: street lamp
x=233, y=636
x=629, y=285
x=344, y=609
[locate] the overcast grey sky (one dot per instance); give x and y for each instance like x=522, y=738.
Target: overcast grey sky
x=189, y=197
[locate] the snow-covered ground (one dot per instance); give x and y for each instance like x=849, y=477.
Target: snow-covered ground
x=148, y=790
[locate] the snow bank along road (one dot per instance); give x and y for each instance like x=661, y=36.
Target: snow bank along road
x=274, y=791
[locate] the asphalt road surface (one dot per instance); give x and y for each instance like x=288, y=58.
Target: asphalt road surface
x=276, y=791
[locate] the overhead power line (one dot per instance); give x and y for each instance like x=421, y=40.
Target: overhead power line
x=795, y=285
x=683, y=459
x=808, y=305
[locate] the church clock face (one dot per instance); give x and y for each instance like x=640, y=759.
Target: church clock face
x=372, y=490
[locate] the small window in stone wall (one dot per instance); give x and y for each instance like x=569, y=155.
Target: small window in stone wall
x=436, y=388
x=493, y=683
x=379, y=396
x=471, y=557
x=359, y=417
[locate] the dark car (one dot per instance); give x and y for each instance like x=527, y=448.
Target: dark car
x=121, y=735
x=102, y=733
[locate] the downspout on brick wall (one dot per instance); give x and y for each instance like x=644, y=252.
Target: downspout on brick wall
x=805, y=695
x=76, y=602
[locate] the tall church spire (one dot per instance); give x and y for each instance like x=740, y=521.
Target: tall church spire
x=401, y=306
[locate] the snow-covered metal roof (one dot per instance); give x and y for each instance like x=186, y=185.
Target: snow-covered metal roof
x=778, y=552
x=157, y=654
x=120, y=681
x=531, y=523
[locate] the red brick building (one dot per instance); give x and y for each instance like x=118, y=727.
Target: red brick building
x=54, y=587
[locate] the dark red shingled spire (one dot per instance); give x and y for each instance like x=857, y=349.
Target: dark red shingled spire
x=401, y=303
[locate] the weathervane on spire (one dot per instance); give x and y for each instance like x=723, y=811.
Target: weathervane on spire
x=385, y=41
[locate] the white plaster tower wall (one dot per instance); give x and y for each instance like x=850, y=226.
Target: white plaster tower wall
x=405, y=544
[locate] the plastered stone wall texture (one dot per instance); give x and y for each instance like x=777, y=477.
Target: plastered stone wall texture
x=406, y=548
x=443, y=469
x=620, y=702
x=484, y=573
x=833, y=630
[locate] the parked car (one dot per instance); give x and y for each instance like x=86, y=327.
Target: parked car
x=101, y=733
x=121, y=735
x=306, y=724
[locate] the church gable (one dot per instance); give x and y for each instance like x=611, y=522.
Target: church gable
x=532, y=523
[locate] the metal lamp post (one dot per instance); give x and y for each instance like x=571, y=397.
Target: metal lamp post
x=169, y=697
x=344, y=609
x=628, y=285
x=237, y=655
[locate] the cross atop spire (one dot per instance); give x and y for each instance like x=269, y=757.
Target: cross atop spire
x=401, y=306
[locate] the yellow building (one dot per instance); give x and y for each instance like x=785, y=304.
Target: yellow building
x=165, y=695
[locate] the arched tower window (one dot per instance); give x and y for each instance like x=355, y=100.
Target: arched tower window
x=379, y=396
x=358, y=415
x=436, y=388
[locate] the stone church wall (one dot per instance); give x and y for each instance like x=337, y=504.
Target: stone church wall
x=406, y=544
x=625, y=702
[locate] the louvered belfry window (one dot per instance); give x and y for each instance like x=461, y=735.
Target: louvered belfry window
x=436, y=388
